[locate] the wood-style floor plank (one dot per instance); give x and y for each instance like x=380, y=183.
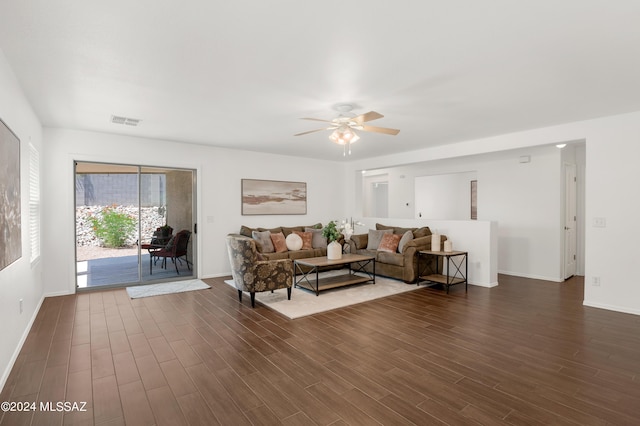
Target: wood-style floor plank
x=525, y=352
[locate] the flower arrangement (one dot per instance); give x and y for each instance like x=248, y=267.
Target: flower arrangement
x=348, y=227
x=347, y=230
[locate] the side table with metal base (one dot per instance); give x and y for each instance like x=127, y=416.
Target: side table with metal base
x=453, y=258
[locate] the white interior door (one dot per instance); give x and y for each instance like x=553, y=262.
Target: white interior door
x=570, y=228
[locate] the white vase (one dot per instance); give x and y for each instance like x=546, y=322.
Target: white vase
x=334, y=251
x=435, y=242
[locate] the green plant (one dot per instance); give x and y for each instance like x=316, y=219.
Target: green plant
x=330, y=232
x=113, y=227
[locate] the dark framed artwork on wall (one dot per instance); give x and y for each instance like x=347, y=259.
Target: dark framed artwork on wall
x=264, y=197
x=474, y=200
x=10, y=216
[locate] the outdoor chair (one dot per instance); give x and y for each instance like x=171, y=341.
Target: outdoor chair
x=175, y=249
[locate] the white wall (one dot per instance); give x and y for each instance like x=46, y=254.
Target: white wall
x=444, y=196
x=218, y=199
x=612, y=253
x=374, y=198
x=524, y=198
x=612, y=145
x=21, y=279
x=510, y=194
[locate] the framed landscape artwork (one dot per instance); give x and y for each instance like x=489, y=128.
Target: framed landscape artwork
x=262, y=197
x=10, y=220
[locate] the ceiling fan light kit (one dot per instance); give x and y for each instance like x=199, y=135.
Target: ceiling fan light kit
x=345, y=125
x=344, y=136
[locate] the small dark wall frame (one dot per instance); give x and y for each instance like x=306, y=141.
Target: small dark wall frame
x=268, y=197
x=10, y=215
x=474, y=200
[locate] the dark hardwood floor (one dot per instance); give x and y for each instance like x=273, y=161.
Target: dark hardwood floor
x=525, y=352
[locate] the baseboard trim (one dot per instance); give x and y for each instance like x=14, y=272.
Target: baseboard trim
x=614, y=308
x=14, y=357
x=224, y=274
x=532, y=276
x=487, y=285
x=59, y=293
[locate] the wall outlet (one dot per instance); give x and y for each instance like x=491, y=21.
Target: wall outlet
x=595, y=281
x=599, y=222
x=20, y=302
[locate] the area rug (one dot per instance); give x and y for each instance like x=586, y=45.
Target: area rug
x=139, y=291
x=305, y=302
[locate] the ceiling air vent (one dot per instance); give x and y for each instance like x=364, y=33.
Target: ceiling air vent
x=125, y=120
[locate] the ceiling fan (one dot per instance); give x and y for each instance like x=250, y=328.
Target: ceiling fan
x=345, y=125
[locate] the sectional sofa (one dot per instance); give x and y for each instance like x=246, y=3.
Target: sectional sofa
x=319, y=244
x=400, y=262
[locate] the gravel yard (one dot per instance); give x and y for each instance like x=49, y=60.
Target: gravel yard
x=88, y=246
x=94, y=252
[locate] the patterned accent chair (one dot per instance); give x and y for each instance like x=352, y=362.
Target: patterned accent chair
x=252, y=274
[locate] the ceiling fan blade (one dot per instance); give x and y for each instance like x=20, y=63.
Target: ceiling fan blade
x=384, y=130
x=368, y=116
x=316, y=119
x=313, y=131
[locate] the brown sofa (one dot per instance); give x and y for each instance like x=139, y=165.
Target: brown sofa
x=297, y=254
x=400, y=265
x=246, y=231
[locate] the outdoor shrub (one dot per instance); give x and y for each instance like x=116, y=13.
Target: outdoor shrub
x=113, y=227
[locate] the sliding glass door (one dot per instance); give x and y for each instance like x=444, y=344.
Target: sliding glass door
x=134, y=224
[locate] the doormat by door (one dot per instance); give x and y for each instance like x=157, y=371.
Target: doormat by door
x=136, y=292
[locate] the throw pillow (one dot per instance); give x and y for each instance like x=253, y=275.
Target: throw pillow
x=317, y=240
x=375, y=237
x=246, y=231
x=406, y=237
x=169, y=244
x=306, y=239
x=294, y=242
x=422, y=232
x=279, y=243
x=263, y=238
x=389, y=243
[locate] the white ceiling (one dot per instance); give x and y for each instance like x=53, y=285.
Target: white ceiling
x=240, y=73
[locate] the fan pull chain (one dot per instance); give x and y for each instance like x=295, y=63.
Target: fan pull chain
x=344, y=149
